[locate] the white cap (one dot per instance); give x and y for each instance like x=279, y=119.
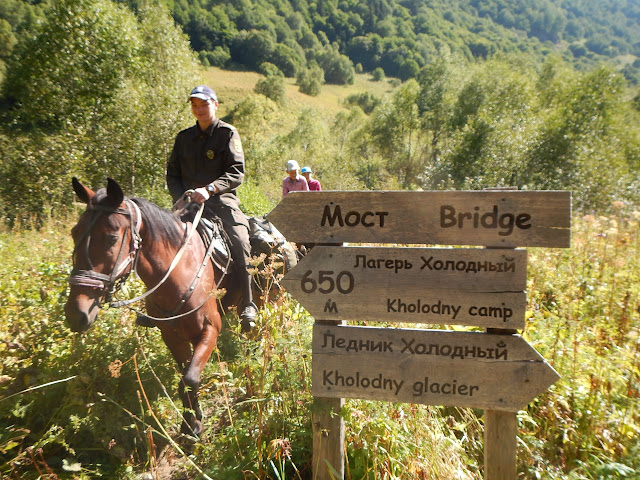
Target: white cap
x=292, y=165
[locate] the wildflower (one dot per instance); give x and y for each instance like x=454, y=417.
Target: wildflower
x=114, y=368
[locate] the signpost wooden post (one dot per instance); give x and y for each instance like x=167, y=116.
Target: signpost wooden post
x=328, y=432
x=497, y=371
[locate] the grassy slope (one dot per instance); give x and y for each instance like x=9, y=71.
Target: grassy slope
x=232, y=85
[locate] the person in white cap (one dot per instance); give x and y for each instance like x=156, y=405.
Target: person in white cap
x=208, y=159
x=314, y=185
x=293, y=182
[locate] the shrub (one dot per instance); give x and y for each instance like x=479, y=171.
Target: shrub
x=272, y=87
x=378, y=75
x=310, y=80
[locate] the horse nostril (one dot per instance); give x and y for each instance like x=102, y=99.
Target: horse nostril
x=77, y=319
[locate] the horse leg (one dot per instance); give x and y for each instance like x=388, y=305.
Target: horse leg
x=190, y=382
x=191, y=377
x=181, y=351
x=192, y=415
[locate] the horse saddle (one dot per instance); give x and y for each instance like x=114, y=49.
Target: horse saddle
x=213, y=237
x=211, y=232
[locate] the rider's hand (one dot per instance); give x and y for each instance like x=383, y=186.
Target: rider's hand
x=200, y=195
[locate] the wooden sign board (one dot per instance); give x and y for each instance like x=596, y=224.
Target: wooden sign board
x=452, y=286
x=487, y=218
x=431, y=367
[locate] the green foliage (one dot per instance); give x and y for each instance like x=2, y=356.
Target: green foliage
x=500, y=125
x=400, y=37
x=337, y=68
x=90, y=109
x=56, y=67
x=269, y=69
x=365, y=100
x=252, y=48
x=219, y=57
x=272, y=86
x=7, y=38
x=378, y=74
x=310, y=80
x=583, y=306
x=287, y=59
x=62, y=418
x=254, y=203
x=395, y=132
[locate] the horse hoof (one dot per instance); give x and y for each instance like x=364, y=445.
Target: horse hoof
x=248, y=318
x=191, y=431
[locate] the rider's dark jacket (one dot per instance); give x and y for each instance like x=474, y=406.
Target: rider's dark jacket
x=210, y=157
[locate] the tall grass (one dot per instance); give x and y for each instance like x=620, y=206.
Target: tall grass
x=76, y=407
x=584, y=311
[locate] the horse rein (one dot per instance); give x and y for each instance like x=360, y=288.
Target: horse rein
x=174, y=262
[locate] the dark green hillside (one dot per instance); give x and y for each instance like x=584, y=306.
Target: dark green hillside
x=398, y=36
x=403, y=36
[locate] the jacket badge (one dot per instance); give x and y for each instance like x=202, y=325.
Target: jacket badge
x=210, y=154
x=237, y=144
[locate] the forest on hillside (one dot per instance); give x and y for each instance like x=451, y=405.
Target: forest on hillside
x=397, y=36
x=84, y=80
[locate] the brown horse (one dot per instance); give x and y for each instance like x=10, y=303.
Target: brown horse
x=116, y=235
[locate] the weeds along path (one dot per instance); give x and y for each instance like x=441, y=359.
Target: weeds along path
x=75, y=407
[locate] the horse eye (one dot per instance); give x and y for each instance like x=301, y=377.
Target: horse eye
x=112, y=240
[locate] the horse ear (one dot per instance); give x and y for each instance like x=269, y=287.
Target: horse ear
x=114, y=193
x=85, y=194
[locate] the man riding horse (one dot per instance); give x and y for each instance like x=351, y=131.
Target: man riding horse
x=208, y=159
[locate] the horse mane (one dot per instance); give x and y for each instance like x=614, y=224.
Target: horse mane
x=161, y=224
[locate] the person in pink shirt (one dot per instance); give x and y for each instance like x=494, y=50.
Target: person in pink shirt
x=314, y=185
x=293, y=182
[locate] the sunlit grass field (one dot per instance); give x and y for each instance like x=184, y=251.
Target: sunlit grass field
x=232, y=86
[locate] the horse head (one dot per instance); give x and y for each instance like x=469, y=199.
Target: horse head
x=106, y=243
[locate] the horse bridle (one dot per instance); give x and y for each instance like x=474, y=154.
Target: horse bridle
x=109, y=284
x=125, y=264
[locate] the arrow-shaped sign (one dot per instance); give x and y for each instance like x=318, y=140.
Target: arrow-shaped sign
x=487, y=218
x=433, y=367
x=453, y=286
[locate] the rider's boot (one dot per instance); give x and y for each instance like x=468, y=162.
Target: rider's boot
x=248, y=318
x=249, y=310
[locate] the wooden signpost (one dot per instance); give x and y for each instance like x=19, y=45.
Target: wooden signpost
x=484, y=218
x=497, y=371
x=461, y=286
x=432, y=367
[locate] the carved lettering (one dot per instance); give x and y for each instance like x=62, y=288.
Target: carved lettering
x=333, y=378
x=398, y=305
x=504, y=222
x=427, y=387
x=351, y=218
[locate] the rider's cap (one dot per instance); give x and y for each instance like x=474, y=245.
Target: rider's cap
x=203, y=92
x=292, y=165
x=306, y=170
